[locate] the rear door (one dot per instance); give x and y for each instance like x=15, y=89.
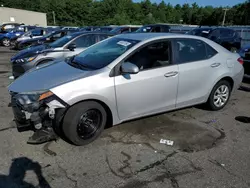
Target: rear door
x=199, y=67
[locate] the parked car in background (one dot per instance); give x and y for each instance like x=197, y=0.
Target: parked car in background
x=32, y=34
x=9, y=26
x=124, y=29
x=60, y=49
x=105, y=28
x=202, y=32
x=89, y=28
x=245, y=54
x=156, y=28
x=10, y=34
x=228, y=38
x=50, y=37
x=125, y=77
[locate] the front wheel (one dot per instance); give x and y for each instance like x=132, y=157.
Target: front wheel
x=219, y=95
x=6, y=42
x=84, y=122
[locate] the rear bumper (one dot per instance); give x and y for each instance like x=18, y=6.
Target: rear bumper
x=238, y=79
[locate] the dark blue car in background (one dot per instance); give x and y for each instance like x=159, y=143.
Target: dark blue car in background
x=48, y=38
x=9, y=34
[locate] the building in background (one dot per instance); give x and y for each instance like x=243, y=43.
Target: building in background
x=8, y=15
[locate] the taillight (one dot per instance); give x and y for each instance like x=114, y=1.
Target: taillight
x=240, y=60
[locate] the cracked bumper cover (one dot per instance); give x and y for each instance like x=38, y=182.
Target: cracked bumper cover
x=26, y=121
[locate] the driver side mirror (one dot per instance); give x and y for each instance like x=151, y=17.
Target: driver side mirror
x=72, y=46
x=129, y=68
x=31, y=36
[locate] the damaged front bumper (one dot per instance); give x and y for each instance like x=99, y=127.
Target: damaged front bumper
x=35, y=115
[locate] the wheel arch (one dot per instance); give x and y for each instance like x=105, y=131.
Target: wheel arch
x=110, y=115
x=224, y=77
x=44, y=59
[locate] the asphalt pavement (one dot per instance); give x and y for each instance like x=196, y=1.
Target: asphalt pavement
x=210, y=150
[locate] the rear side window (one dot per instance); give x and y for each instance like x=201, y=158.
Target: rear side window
x=210, y=51
x=190, y=50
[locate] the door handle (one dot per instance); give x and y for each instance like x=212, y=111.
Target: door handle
x=215, y=65
x=171, y=74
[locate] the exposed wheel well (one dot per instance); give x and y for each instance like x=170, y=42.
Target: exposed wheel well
x=107, y=109
x=230, y=80
x=43, y=61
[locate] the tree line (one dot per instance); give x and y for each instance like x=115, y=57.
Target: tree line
x=121, y=12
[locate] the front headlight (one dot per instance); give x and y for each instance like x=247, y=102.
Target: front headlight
x=29, y=59
x=32, y=97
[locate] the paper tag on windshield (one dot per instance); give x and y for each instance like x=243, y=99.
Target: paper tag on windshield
x=124, y=43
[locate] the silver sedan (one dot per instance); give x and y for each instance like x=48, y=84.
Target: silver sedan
x=125, y=77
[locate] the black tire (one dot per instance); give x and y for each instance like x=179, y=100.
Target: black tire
x=6, y=42
x=210, y=102
x=73, y=116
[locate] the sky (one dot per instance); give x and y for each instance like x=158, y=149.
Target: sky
x=215, y=3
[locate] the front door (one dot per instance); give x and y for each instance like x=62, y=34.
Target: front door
x=154, y=88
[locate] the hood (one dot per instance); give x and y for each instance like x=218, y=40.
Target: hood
x=29, y=52
x=47, y=77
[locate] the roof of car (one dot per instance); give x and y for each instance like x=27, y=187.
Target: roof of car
x=146, y=36
x=89, y=32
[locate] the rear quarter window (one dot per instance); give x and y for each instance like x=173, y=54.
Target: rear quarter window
x=210, y=51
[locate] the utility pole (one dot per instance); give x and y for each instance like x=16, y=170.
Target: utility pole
x=224, y=17
x=54, y=17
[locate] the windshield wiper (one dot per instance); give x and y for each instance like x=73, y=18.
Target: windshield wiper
x=77, y=64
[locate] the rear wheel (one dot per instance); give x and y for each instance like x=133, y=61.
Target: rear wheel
x=6, y=42
x=219, y=95
x=84, y=122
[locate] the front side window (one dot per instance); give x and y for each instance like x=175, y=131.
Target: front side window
x=152, y=56
x=214, y=34
x=156, y=29
x=144, y=29
x=85, y=41
x=189, y=50
x=226, y=33
x=103, y=53
x=61, y=42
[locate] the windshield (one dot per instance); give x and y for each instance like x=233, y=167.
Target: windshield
x=144, y=29
x=103, y=53
x=61, y=42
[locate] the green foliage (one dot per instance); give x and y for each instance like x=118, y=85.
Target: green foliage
x=119, y=12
